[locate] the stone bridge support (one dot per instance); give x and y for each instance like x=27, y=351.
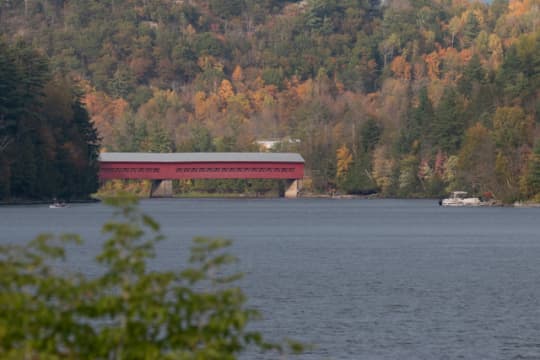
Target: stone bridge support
x=293, y=188
x=161, y=188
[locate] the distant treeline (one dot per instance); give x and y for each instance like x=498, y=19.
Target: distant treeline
x=48, y=146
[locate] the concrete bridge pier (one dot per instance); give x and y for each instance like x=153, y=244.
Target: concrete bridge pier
x=161, y=188
x=293, y=188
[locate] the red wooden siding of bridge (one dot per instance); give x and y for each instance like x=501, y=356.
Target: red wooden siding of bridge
x=201, y=166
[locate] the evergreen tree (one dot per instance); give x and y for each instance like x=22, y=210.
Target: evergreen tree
x=48, y=146
x=419, y=122
x=471, y=29
x=159, y=140
x=449, y=124
x=201, y=139
x=370, y=135
x=87, y=180
x=533, y=176
x=473, y=75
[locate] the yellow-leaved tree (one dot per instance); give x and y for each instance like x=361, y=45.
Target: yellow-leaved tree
x=344, y=160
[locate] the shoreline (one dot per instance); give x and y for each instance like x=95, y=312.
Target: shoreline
x=27, y=202
x=23, y=202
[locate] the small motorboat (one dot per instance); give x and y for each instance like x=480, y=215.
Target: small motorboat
x=58, y=205
x=460, y=198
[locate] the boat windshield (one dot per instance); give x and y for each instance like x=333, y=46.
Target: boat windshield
x=459, y=194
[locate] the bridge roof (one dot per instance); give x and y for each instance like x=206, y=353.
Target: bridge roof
x=200, y=157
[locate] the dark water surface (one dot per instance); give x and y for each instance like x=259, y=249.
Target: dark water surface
x=361, y=279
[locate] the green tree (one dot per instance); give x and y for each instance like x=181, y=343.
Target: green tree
x=370, y=133
x=511, y=128
x=449, y=124
x=158, y=139
x=533, y=174
x=473, y=75
x=201, y=139
x=121, y=84
x=127, y=311
x=419, y=122
x=513, y=139
x=408, y=181
x=21, y=116
x=358, y=179
x=227, y=9
x=48, y=145
x=470, y=29
x=8, y=86
x=476, y=164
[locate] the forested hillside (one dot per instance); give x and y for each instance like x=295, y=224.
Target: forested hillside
x=48, y=145
x=407, y=97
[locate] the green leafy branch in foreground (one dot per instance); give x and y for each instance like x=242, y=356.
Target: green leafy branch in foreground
x=127, y=311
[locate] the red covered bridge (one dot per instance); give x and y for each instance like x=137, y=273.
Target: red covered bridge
x=162, y=167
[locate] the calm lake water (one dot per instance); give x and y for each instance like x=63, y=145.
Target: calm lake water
x=360, y=279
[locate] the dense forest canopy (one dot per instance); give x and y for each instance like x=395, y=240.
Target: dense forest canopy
x=406, y=97
x=48, y=145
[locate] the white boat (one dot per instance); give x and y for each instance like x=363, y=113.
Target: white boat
x=459, y=198
x=58, y=205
